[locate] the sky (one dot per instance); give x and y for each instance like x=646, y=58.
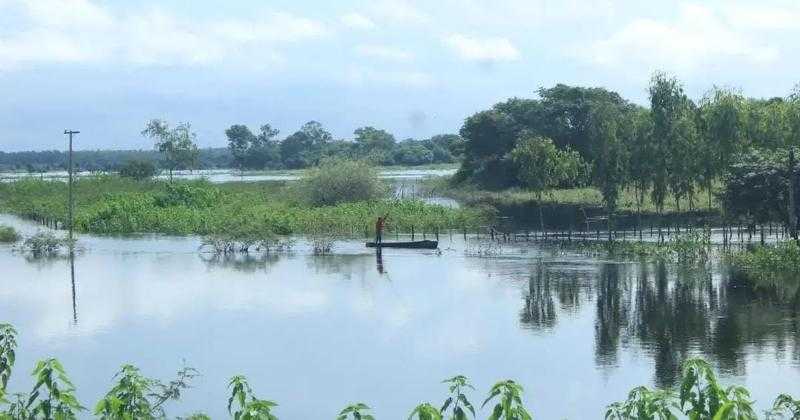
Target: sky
x=414, y=68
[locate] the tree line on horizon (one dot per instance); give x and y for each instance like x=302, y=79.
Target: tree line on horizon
x=175, y=148
x=572, y=136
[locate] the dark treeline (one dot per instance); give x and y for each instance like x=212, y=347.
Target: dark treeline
x=674, y=149
x=101, y=160
x=311, y=143
x=248, y=150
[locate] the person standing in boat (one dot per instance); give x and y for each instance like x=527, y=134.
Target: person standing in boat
x=379, y=225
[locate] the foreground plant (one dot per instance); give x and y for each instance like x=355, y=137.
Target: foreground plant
x=457, y=400
x=135, y=396
x=356, y=411
x=8, y=344
x=643, y=403
x=701, y=396
x=53, y=396
x=509, y=405
x=425, y=411
x=243, y=404
x=785, y=407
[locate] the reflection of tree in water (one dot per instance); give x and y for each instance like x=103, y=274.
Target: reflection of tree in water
x=339, y=264
x=248, y=263
x=544, y=286
x=540, y=309
x=673, y=311
x=671, y=316
x=611, y=313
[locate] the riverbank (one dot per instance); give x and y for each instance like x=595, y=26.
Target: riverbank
x=112, y=205
x=573, y=208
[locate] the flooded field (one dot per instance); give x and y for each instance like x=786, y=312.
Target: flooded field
x=314, y=333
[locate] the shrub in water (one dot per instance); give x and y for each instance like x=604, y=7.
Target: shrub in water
x=139, y=170
x=8, y=235
x=341, y=181
x=44, y=244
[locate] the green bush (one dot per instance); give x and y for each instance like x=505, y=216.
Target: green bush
x=341, y=181
x=139, y=170
x=8, y=235
x=44, y=244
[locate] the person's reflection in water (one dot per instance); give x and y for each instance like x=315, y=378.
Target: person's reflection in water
x=72, y=280
x=379, y=261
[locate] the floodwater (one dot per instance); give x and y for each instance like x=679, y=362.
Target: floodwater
x=228, y=175
x=317, y=333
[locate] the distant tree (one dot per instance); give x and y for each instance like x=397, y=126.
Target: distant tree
x=176, y=144
x=767, y=123
x=607, y=132
x=250, y=151
x=642, y=159
x=139, y=170
x=541, y=166
x=671, y=137
x=240, y=138
x=447, y=147
x=566, y=114
x=374, y=144
x=305, y=147
x=723, y=129
x=489, y=136
x=412, y=153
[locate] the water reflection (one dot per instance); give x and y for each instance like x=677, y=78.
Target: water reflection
x=248, y=263
x=74, y=292
x=672, y=312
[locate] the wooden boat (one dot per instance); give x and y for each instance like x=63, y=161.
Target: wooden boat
x=411, y=245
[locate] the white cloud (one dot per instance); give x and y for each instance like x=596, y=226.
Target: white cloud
x=482, y=49
x=357, y=21
x=362, y=76
x=399, y=11
x=384, y=52
x=80, y=31
x=763, y=16
x=697, y=37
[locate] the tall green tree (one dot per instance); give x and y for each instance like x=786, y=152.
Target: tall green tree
x=240, y=138
x=375, y=144
x=489, y=138
x=176, y=144
x=304, y=147
x=607, y=132
x=642, y=158
x=541, y=166
x=674, y=137
x=723, y=124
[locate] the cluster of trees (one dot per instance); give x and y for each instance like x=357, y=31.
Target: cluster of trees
x=176, y=149
x=103, y=160
x=311, y=143
x=676, y=147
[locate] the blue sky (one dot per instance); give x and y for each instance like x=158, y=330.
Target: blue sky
x=415, y=68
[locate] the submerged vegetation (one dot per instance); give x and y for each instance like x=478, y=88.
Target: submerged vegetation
x=45, y=244
x=767, y=261
x=113, y=205
x=135, y=396
x=8, y=235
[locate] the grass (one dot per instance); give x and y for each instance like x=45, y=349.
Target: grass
x=588, y=197
x=767, y=261
x=112, y=205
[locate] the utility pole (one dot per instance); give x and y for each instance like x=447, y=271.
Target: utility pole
x=71, y=202
x=792, y=210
